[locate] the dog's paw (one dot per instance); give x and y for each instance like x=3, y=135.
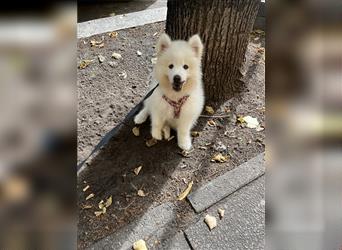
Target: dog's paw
x=166, y=132
x=138, y=119
x=157, y=135
x=185, y=144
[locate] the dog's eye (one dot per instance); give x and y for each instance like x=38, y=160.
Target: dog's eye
x=185, y=66
x=170, y=66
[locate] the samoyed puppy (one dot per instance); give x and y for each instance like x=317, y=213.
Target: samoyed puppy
x=178, y=100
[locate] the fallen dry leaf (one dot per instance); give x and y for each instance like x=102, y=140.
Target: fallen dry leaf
x=137, y=170
x=185, y=192
x=185, y=153
x=84, y=64
x=86, y=188
x=221, y=212
x=195, y=133
x=109, y=201
x=209, y=110
x=136, y=131
x=210, y=221
x=259, y=128
x=250, y=122
x=139, y=245
x=141, y=193
x=123, y=74
x=203, y=147
x=151, y=142
x=219, y=158
x=113, y=34
x=101, y=58
x=155, y=34
x=101, y=205
x=95, y=43
x=98, y=213
x=113, y=64
x=139, y=53
x=211, y=123
x=87, y=206
x=116, y=56
x=90, y=196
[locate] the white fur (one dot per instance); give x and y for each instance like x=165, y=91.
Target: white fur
x=178, y=53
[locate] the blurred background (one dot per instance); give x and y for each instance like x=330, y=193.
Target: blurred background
x=304, y=126
x=38, y=127
x=304, y=105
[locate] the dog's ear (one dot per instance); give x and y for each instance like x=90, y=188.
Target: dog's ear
x=164, y=42
x=196, y=44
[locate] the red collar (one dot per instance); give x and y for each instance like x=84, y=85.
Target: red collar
x=176, y=105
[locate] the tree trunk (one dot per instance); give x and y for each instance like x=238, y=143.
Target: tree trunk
x=224, y=27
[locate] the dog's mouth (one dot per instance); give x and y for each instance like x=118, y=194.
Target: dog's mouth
x=177, y=86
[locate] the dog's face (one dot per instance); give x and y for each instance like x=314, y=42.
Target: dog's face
x=178, y=61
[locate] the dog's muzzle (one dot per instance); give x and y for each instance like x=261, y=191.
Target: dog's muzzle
x=177, y=83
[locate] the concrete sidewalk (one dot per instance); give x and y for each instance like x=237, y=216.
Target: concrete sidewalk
x=242, y=227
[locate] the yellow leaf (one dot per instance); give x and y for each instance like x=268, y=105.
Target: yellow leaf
x=219, y=158
x=90, y=196
x=116, y=56
x=85, y=188
x=108, y=201
x=185, y=192
x=241, y=120
x=209, y=110
x=104, y=210
x=113, y=34
x=211, y=123
x=136, y=131
x=98, y=213
x=139, y=245
x=141, y=193
x=95, y=43
x=137, y=170
x=84, y=64
x=210, y=221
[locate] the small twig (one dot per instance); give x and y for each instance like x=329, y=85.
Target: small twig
x=215, y=116
x=124, y=208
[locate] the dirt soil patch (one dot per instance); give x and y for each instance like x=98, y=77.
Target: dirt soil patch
x=106, y=96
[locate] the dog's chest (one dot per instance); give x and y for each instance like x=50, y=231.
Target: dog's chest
x=176, y=110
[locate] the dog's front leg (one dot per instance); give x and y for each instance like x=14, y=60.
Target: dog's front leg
x=183, y=136
x=157, y=126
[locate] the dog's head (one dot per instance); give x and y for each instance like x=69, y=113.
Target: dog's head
x=178, y=62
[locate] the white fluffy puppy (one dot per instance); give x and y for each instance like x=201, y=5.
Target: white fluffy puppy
x=178, y=100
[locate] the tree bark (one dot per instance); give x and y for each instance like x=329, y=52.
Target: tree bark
x=224, y=27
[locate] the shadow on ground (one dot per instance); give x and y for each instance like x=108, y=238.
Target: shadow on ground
x=111, y=173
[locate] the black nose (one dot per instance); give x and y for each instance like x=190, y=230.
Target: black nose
x=177, y=79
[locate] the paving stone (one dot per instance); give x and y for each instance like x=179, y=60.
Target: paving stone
x=152, y=226
x=178, y=242
x=226, y=184
x=242, y=226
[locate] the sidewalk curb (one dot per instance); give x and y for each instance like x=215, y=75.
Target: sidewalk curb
x=226, y=184
x=108, y=24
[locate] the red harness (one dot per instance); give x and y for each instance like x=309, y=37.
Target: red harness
x=177, y=106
